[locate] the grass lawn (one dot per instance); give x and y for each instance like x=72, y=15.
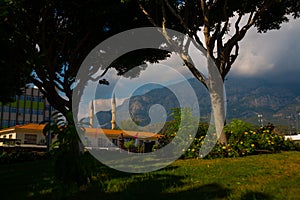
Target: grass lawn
x=269, y=176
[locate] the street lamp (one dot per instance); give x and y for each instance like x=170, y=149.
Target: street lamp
x=298, y=122
x=260, y=119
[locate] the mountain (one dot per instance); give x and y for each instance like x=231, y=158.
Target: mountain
x=246, y=98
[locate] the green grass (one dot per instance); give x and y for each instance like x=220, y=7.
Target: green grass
x=269, y=176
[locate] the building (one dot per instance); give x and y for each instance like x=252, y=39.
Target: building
x=32, y=135
x=295, y=138
x=29, y=135
x=30, y=107
x=107, y=138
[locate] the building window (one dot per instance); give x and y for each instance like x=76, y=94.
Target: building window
x=6, y=109
x=40, y=112
x=21, y=110
x=5, y=123
x=30, y=139
x=115, y=142
x=47, y=107
x=35, y=98
x=13, y=110
x=42, y=141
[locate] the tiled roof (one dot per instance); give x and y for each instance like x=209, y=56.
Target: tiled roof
x=36, y=127
x=125, y=133
x=40, y=127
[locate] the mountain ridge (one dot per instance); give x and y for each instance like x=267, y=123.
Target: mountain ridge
x=246, y=98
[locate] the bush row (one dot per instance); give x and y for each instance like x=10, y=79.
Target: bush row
x=243, y=140
x=21, y=156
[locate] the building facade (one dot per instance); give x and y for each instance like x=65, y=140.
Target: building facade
x=30, y=107
x=32, y=136
x=29, y=135
x=95, y=138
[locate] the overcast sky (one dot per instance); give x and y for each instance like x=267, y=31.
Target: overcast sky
x=272, y=54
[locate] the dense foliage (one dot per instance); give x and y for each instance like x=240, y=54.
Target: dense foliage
x=243, y=140
x=20, y=155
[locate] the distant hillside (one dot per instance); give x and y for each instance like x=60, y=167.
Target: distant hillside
x=246, y=98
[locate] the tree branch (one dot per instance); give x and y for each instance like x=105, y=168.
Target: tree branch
x=164, y=20
x=206, y=30
x=147, y=14
x=186, y=28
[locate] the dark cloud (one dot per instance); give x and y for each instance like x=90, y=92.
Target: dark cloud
x=274, y=56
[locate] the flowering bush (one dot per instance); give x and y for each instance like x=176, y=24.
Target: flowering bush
x=243, y=140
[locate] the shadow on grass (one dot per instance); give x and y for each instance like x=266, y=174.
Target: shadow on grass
x=256, y=196
x=208, y=191
x=157, y=187
x=112, y=184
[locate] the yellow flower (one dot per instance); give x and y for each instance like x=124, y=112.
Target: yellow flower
x=246, y=133
x=254, y=133
x=193, y=150
x=252, y=145
x=241, y=142
x=224, y=147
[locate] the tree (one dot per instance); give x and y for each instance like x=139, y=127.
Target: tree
x=50, y=40
x=13, y=75
x=215, y=19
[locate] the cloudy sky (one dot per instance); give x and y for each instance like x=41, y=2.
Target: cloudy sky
x=275, y=53
x=274, y=56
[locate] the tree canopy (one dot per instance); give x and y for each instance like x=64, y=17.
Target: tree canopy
x=48, y=40
x=45, y=42
x=223, y=23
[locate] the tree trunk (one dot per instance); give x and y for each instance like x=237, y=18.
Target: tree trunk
x=216, y=90
x=218, y=111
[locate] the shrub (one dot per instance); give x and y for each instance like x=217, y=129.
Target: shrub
x=17, y=156
x=243, y=140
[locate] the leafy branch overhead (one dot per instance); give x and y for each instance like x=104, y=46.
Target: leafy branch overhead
x=45, y=42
